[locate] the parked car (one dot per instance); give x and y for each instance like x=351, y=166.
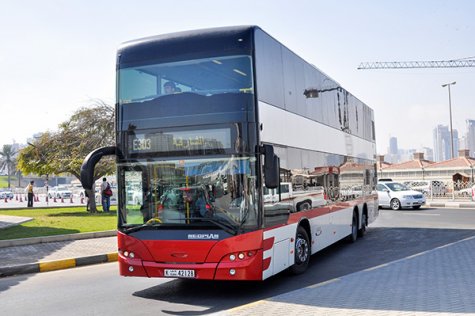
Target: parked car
x=6, y=194
x=59, y=192
x=428, y=187
x=396, y=196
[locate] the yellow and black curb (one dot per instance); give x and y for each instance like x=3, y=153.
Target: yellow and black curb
x=57, y=264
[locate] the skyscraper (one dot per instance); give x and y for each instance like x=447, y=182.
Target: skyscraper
x=442, y=146
x=470, y=137
x=428, y=153
x=393, y=150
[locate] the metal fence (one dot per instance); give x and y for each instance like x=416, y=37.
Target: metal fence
x=444, y=190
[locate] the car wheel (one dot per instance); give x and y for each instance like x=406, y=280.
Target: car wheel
x=395, y=204
x=302, y=251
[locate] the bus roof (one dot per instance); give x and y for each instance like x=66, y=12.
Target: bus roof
x=176, y=46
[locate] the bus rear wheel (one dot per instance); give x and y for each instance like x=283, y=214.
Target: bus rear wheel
x=302, y=252
x=364, y=225
x=354, y=228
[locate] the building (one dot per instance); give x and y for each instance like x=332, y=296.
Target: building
x=442, y=144
x=470, y=137
x=393, y=150
x=408, y=170
x=460, y=169
x=428, y=153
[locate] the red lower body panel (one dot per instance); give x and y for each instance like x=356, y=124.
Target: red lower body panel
x=138, y=258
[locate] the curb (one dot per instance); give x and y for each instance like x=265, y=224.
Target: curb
x=57, y=264
x=451, y=204
x=39, y=240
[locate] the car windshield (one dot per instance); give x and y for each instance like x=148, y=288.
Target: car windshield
x=202, y=192
x=397, y=187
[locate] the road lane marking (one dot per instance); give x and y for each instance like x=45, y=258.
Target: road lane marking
x=419, y=214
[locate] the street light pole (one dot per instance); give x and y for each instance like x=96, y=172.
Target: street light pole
x=450, y=112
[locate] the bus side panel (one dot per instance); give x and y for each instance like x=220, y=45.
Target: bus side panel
x=279, y=255
x=333, y=141
x=342, y=218
x=373, y=208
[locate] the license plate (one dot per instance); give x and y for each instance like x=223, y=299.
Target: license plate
x=178, y=273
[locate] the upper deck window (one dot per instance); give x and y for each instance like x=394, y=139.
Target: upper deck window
x=205, y=76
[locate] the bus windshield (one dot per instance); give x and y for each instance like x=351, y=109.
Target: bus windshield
x=208, y=76
x=218, y=192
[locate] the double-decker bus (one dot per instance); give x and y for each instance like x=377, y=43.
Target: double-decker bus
x=236, y=159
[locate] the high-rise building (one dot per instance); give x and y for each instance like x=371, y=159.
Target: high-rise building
x=428, y=153
x=393, y=150
x=442, y=145
x=470, y=137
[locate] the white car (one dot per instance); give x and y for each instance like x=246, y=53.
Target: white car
x=396, y=196
x=6, y=194
x=59, y=193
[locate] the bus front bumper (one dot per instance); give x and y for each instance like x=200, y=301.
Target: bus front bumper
x=248, y=269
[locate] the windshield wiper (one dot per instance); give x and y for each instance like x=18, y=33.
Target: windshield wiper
x=229, y=228
x=139, y=227
x=226, y=227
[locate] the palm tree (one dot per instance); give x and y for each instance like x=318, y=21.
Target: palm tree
x=8, y=161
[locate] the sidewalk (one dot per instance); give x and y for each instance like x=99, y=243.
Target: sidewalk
x=31, y=255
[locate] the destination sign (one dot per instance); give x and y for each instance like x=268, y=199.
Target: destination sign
x=179, y=141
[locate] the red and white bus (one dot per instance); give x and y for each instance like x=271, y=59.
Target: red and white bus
x=236, y=159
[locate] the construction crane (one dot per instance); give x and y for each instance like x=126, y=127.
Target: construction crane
x=457, y=63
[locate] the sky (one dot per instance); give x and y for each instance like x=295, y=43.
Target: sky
x=58, y=56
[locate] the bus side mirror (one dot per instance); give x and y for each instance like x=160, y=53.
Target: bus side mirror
x=272, y=173
x=271, y=167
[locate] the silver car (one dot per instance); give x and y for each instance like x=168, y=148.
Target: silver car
x=396, y=196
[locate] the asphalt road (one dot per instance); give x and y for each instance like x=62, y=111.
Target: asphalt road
x=98, y=290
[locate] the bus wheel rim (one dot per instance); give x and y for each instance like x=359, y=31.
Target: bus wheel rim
x=302, y=249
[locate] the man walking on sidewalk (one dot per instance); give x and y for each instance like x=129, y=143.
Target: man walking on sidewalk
x=29, y=190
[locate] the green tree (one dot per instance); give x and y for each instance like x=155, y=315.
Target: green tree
x=64, y=151
x=8, y=161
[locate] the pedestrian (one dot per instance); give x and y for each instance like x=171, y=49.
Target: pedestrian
x=106, y=193
x=29, y=191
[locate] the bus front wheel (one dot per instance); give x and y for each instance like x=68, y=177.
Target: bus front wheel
x=302, y=252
